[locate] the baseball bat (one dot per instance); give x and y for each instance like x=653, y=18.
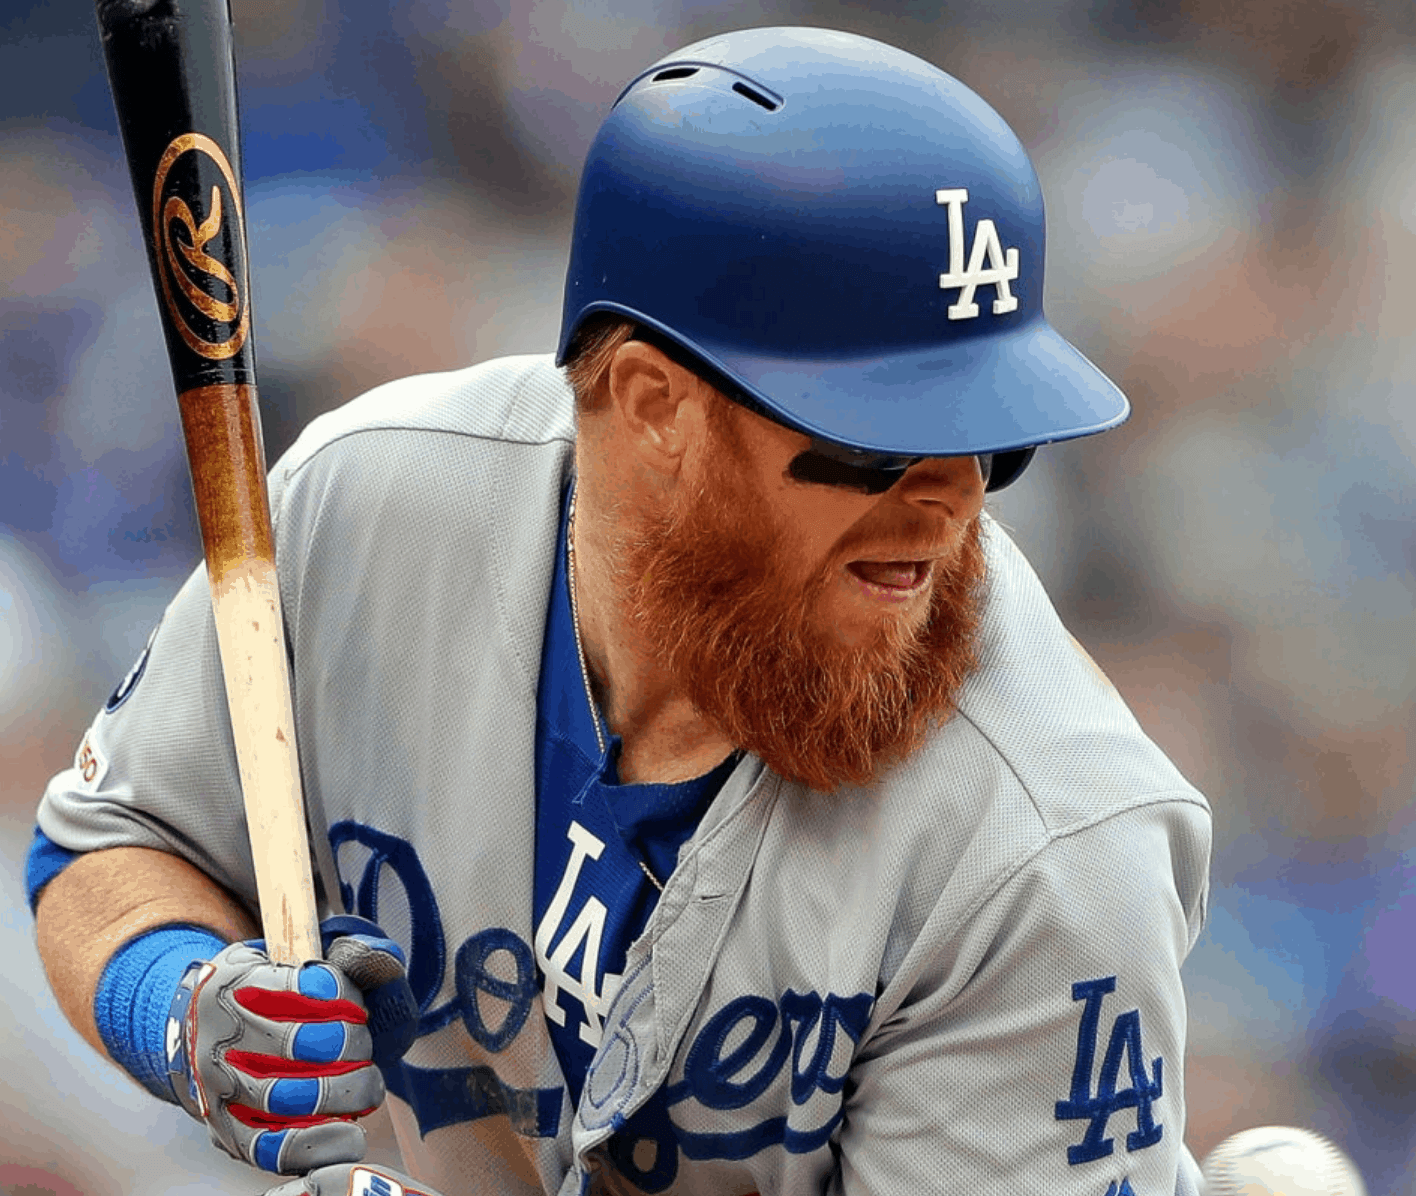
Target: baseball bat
x=172, y=70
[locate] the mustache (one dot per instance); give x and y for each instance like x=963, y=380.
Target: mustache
x=916, y=538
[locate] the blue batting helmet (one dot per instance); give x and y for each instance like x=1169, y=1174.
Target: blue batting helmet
x=842, y=233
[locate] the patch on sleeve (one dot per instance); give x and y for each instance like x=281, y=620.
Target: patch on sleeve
x=1124, y=1060
x=90, y=761
x=130, y=682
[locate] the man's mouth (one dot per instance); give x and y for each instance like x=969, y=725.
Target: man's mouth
x=892, y=578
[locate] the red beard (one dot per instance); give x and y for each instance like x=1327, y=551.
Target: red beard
x=753, y=656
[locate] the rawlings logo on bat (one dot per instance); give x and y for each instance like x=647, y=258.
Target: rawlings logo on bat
x=204, y=293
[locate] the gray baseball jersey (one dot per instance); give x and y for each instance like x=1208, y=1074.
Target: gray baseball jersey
x=964, y=978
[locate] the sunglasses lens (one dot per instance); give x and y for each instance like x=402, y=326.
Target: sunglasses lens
x=868, y=472
x=827, y=471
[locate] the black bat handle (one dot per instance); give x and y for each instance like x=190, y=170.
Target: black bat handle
x=172, y=71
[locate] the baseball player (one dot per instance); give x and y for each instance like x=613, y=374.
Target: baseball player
x=705, y=796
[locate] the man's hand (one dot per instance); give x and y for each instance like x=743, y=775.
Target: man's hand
x=350, y=1180
x=280, y=1060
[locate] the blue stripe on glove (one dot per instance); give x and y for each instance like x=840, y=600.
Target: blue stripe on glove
x=319, y=1042
x=293, y=1098
x=318, y=981
x=267, y=1149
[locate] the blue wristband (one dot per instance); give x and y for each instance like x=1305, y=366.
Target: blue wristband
x=135, y=993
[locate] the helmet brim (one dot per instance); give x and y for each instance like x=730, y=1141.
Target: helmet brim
x=986, y=394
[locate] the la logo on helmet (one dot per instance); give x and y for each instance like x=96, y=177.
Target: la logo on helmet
x=1001, y=270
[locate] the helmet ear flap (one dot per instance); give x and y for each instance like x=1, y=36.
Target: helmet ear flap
x=1007, y=467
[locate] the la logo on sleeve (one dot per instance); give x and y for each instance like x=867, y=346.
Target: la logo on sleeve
x=1097, y=1108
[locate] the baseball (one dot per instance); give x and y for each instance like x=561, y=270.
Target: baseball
x=1280, y=1160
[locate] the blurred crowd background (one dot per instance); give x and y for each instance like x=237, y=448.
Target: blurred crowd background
x=1232, y=237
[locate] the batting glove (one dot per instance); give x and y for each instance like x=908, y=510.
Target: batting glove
x=278, y=1060
x=351, y=1180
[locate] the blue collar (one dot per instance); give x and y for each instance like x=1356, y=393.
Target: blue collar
x=562, y=700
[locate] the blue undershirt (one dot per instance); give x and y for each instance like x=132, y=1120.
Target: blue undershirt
x=592, y=836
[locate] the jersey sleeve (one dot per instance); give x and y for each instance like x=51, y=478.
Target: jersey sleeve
x=1044, y=1050
x=157, y=766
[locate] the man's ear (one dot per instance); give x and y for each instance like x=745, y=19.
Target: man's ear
x=657, y=405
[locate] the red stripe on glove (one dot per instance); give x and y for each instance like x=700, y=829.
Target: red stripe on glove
x=258, y=1119
x=293, y=1007
x=277, y=1067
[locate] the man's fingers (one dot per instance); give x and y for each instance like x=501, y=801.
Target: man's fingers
x=296, y=1007
x=367, y=960
x=303, y=1056
x=295, y=1151
x=268, y=1101
x=317, y=1030
x=376, y=964
x=306, y=1046
x=278, y=1059
x=303, y=1067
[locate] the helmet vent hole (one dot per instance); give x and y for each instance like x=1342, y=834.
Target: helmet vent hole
x=755, y=96
x=677, y=72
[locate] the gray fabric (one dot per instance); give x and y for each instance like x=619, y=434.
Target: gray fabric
x=1038, y=841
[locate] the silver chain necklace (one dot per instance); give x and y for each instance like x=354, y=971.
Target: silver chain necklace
x=575, y=622
x=580, y=653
